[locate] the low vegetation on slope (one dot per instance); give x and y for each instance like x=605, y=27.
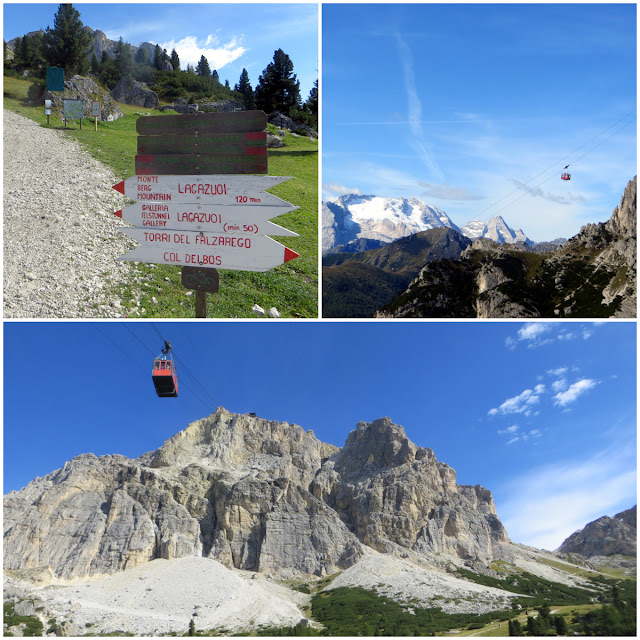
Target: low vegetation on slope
x=292, y=288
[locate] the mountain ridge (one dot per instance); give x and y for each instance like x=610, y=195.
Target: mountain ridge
x=253, y=494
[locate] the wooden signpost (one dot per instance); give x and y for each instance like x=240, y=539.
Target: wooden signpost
x=197, y=189
x=249, y=219
x=195, y=204
x=224, y=250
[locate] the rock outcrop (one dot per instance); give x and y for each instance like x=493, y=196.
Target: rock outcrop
x=591, y=275
x=129, y=91
x=87, y=90
x=605, y=537
x=253, y=494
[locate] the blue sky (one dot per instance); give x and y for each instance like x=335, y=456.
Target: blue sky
x=463, y=106
x=543, y=414
x=230, y=36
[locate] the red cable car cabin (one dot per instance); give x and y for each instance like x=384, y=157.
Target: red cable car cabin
x=566, y=176
x=165, y=378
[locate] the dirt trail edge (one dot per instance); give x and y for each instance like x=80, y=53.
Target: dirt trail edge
x=60, y=240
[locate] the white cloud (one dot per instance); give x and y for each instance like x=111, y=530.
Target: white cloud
x=557, y=372
x=190, y=49
x=509, y=430
x=564, y=398
x=532, y=330
x=545, y=505
x=559, y=385
x=333, y=190
x=513, y=440
x=522, y=403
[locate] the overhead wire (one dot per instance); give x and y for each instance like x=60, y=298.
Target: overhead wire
x=556, y=163
x=211, y=401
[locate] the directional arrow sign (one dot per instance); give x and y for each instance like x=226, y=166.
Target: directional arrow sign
x=193, y=248
x=247, y=220
x=214, y=189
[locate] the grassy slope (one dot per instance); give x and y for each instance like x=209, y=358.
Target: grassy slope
x=292, y=288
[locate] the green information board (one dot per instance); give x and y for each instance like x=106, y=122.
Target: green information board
x=72, y=109
x=55, y=79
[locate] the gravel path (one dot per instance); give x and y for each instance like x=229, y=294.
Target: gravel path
x=60, y=239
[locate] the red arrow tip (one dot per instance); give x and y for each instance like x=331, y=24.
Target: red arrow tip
x=290, y=255
x=119, y=187
x=118, y=213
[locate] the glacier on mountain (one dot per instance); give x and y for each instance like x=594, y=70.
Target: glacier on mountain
x=386, y=219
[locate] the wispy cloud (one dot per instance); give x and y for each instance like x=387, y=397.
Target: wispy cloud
x=515, y=434
x=446, y=191
x=546, y=504
x=415, y=108
x=564, y=398
x=538, y=192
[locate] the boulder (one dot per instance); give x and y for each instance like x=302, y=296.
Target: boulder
x=129, y=91
x=87, y=90
x=285, y=122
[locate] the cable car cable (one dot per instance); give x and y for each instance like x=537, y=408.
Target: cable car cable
x=493, y=204
x=210, y=400
x=526, y=193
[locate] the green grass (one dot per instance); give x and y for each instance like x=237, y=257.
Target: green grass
x=292, y=288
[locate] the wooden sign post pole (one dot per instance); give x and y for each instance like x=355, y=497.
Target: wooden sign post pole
x=201, y=304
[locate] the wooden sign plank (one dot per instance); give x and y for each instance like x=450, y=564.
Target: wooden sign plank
x=252, y=220
x=254, y=142
x=200, y=164
x=200, y=279
x=197, y=189
x=192, y=248
x=198, y=123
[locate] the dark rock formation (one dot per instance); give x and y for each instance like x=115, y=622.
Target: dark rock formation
x=129, y=91
x=591, y=275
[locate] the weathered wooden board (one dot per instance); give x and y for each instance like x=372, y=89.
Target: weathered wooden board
x=198, y=123
x=201, y=189
x=193, y=248
x=200, y=164
x=247, y=220
x=251, y=143
x=200, y=279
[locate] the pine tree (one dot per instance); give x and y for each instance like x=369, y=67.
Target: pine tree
x=215, y=76
x=192, y=627
x=124, y=59
x=202, y=68
x=312, y=102
x=175, y=60
x=142, y=56
x=66, y=44
x=278, y=88
x=244, y=88
x=560, y=625
x=157, y=57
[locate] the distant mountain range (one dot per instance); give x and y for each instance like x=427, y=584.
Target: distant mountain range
x=354, y=217
x=592, y=275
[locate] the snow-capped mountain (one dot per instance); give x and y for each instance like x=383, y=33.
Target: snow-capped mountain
x=495, y=229
x=386, y=219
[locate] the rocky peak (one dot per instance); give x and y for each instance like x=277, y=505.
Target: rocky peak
x=623, y=219
x=376, y=445
x=254, y=494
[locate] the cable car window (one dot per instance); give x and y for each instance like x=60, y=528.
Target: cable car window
x=156, y=365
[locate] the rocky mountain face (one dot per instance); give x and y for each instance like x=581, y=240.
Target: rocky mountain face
x=253, y=494
x=352, y=217
x=591, y=275
x=495, y=229
x=356, y=284
x=605, y=537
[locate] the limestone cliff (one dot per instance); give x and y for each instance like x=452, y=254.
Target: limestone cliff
x=254, y=494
